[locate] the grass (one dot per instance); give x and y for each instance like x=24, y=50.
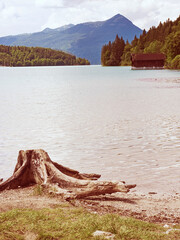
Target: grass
x=64, y=222
x=38, y=190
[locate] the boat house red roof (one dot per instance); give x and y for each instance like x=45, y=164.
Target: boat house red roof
x=148, y=60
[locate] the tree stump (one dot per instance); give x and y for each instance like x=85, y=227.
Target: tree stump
x=36, y=167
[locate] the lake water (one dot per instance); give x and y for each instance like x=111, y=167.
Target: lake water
x=120, y=123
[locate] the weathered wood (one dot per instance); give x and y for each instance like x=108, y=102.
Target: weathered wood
x=36, y=167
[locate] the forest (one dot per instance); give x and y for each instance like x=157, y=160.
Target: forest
x=165, y=38
x=37, y=56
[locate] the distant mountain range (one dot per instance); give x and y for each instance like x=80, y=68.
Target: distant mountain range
x=84, y=40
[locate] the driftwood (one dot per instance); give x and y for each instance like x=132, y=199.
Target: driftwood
x=36, y=167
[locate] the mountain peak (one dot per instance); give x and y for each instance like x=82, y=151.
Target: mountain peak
x=47, y=30
x=118, y=18
x=62, y=28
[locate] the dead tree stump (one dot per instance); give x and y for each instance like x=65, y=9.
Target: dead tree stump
x=36, y=167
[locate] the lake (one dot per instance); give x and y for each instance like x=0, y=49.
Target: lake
x=120, y=123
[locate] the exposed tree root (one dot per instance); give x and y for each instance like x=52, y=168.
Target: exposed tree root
x=36, y=167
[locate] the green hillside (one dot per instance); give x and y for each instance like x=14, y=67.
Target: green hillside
x=37, y=56
x=162, y=39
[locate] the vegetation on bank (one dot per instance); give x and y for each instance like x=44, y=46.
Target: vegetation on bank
x=162, y=39
x=65, y=222
x=37, y=56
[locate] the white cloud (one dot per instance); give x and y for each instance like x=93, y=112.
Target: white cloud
x=7, y=13
x=49, y=3
x=2, y=5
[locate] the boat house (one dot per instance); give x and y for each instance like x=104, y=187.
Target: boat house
x=148, y=60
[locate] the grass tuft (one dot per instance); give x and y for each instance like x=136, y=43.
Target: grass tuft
x=38, y=190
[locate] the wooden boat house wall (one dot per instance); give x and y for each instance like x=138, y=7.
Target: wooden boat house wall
x=148, y=61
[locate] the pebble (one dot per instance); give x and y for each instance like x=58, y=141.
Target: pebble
x=170, y=229
x=106, y=235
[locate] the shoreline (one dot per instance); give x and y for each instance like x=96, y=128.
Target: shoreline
x=150, y=207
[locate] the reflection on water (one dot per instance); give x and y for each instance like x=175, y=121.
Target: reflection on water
x=120, y=123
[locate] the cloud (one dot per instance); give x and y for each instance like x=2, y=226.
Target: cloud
x=19, y=16
x=49, y=3
x=9, y=13
x=2, y=5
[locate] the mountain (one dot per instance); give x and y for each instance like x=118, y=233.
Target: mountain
x=84, y=40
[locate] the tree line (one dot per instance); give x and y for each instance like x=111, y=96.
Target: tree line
x=162, y=39
x=37, y=56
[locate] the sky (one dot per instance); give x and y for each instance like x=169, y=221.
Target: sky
x=27, y=16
